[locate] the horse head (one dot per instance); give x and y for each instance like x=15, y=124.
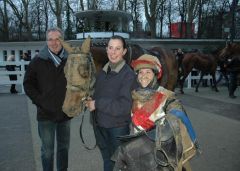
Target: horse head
x=80, y=75
x=232, y=50
x=134, y=51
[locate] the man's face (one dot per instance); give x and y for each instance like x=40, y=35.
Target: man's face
x=53, y=42
x=115, y=50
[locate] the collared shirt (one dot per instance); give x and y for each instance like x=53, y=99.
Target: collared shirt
x=116, y=69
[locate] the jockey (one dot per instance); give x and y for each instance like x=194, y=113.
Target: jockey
x=149, y=71
x=154, y=106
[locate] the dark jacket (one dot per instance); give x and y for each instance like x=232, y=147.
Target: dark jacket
x=11, y=68
x=45, y=84
x=233, y=64
x=112, y=96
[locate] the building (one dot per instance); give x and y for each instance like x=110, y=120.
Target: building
x=178, y=30
x=103, y=23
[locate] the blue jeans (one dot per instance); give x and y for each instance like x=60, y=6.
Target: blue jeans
x=107, y=142
x=47, y=131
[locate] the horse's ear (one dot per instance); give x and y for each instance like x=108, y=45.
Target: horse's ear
x=86, y=45
x=66, y=46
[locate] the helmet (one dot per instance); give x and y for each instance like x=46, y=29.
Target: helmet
x=148, y=61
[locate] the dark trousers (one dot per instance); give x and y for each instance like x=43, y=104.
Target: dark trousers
x=232, y=82
x=48, y=130
x=108, y=143
x=13, y=88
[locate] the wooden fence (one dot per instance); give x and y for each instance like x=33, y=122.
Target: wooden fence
x=20, y=71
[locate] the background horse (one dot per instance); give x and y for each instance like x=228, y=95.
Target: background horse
x=205, y=63
x=232, y=50
x=169, y=65
x=166, y=57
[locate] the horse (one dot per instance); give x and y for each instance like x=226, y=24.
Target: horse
x=205, y=63
x=166, y=57
x=231, y=50
x=167, y=147
x=80, y=75
x=169, y=65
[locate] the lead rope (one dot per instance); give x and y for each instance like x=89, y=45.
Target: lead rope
x=92, y=71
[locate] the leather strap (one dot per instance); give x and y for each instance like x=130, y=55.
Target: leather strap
x=81, y=130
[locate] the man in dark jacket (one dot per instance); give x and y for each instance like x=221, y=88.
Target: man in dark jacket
x=45, y=84
x=233, y=67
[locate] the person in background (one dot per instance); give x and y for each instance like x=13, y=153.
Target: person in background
x=232, y=66
x=45, y=84
x=12, y=77
x=26, y=57
x=112, y=100
x=179, y=56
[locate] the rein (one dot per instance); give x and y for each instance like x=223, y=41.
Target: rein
x=92, y=71
x=81, y=131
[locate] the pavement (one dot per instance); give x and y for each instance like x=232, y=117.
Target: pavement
x=215, y=117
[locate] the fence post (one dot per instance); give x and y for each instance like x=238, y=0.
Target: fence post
x=22, y=70
x=189, y=80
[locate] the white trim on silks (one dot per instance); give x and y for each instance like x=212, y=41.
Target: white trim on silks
x=156, y=115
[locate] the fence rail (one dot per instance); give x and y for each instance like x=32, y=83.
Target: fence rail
x=20, y=71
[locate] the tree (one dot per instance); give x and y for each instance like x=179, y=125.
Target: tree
x=57, y=8
x=213, y=19
x=162, y=13
x=233, y=29
x=4, y=29
x=191, y=14
x=20, y=10
x=134, y=9
x=182, y=6
x=151, y=12
x=69, y=29
x=169, y=16
x=40, y=18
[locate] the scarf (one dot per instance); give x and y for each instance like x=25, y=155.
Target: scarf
x=57, y=59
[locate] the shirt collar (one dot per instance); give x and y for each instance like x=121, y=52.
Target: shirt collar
x=116, y=69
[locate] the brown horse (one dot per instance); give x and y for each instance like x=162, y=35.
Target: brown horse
x=232, y=51
x=205, y=63
x=80, y=75
x=166, y=57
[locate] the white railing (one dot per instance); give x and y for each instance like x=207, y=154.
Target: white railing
x=20, y=71
x=190, y=78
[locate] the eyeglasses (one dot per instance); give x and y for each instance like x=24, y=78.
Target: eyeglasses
x=53, y=40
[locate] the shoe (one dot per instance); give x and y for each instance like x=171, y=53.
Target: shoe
x=13, y=91
x=232, y=96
